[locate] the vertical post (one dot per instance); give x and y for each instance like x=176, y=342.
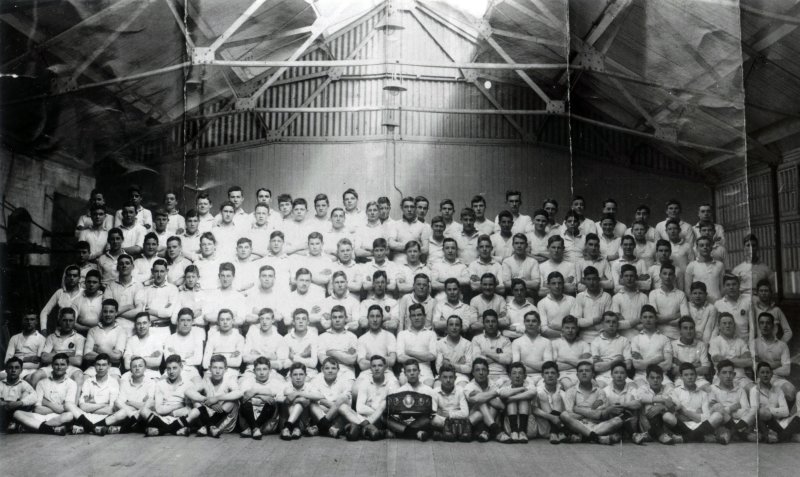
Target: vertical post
x=776, y=213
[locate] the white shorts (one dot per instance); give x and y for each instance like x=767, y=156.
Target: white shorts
x=42, y=418
x=94, y=418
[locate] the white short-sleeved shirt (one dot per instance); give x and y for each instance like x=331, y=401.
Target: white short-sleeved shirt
x=144, y=347
x=552, y=311
x=188, y=347
x=417, y=340
x=502, y=247
x=587, y=307
x=605, y=348
x=527, y=269
x=481, y=305
x=709, y=273
x=57, y=392
x=261, y=344
x=651, y=346
x=462, y=353
x=538, y=350
x=728, y=349
x=381, y=343
x=641, y=269
x=111, y=337
x=72, y=344
x=226, y=345
x=572, y=351
x=332, y=391
x=132, y=236
x=482, y=343
x=629, y=306
x=668, y=303
x=741, y=310
x=516, y=314
x=20, y=345
x=306, y=344
x=20, y=391
x=567, y=269
x=695, y=353
x=96, y=392
x=340, y=341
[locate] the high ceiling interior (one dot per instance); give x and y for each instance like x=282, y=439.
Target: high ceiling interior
x=83, y=81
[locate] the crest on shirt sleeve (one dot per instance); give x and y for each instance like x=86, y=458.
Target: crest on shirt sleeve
x=386, y=308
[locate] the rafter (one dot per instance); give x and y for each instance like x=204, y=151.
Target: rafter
x=236, y=24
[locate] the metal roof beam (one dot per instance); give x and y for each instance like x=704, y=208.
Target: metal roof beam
x=236, y=24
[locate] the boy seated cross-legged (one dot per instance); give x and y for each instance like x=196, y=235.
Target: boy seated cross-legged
x=260, y=399
x=215, y=400
x=587, y=412
x=517, y=394
x=298, y=396
x=694, y=420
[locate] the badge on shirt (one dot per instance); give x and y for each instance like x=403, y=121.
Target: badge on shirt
x=741, y=312
x=499, y=350
x=387, y=308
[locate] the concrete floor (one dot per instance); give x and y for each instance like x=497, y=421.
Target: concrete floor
x=32, y=455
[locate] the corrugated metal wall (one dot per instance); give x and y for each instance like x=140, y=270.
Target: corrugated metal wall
x=746, y=206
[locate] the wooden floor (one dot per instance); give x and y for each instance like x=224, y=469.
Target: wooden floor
x=31, y=455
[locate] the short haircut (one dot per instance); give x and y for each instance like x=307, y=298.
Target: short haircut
x=698, y=286
x=590, y=271
x=380, y=242
x=553, y=239
x=730, y=277
x=654, y=368
x=552, y=275
x=667, y=266
x=663, y=243
x=684, y=366
x=416, y=306
x=315, y=235
x=227, y=267
x=302, y=271
x=350, y=191
x=227, y=203
x=299, y=201
x=208, y=236
x=67, y=310
x=549, y=365
x=83, y=245
x=379, y=274
x=295, y=366
x=234, y=188
x=110, y=302
x=643, y=208
x=447, y=202
x=421, y=198
x=516, y=282
x=263, y=189
x=569, y=319
x=489, y=313
x=142, y=314
x=762, y=364
x=466, y=212
x=478, y=361
x=378, y=357
x=725, y=363
x=385, y=200
x=61, y=356
x=321, y=197
x=517, y=365
x=444, y=368
x=299, y=311
x=647, y=309
x=477, y=199
x=375, y=308
x=488, y=275
x=173, y=358
x=411, y=362
x=157, y=262
x=284, y=198
x=511, y=192
x=331, y=360
x=684, y=319
x=243, y=240
x=451, y=280
x=539, y=212
x=151, y=236
x=262, y=360
x=505, y=215
x=14, y=359
x=185, y=311
x=102, y=357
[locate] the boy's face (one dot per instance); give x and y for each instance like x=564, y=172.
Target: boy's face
x=667, y=276
x=629, y=279
x=488, y=286
x=628, y=246
x=638, y=232
x=556, y=286
x=191, y=224
x=108, y=314
x=330, y=371
x=409, y=211
x=142, y=326
x=519, y=291
x=514, y=201
x=479, y=208
x=161, y=222
x=704, y=213
x=340, y=285
x=611, y=324
x=203, y=206
x=707, y=231
x=285, y=208
x=72, y=278
x=569, y=331
x=337, y=320
x=350, y=201
x=571, y=223
x=727, y=327
x=731, y=288
x=98, y=217
x=185, y=324
x=379, y=253
x=704, y=247
x=173, y=249
x=764, y=294
x=698, y=296
x=468, y=221
x=263, y=197
x=128, y=215
x=417, y=319
x=321, y=208
x=225, y=322
x=450, y=251
x=227, y=213
x=448, y=380
x=688, y=331
x=377, y=366
x=648, y=320
x=608, y=226
x=173, y=371
x=551, y=209
x=517, y=377
x=654, y=380
x=422, y=209
x=619, y=375
x=481, y=373
x=540, y=223
x=550, y=376
x=114, y=242
x=578, y=206
x=689, y=377
x=766, y=326
x=261, y=215
x=314, y=246
x=190, y=280
x=217, y=370
x=765, y=375
x=663, y=253
x=150, y=247
x=337, y=219
x=344, y=253
x=592, y=283
x=84, y=255
x=585, y=374
x=592, y=248
x=375, y=320
x=452, y=292
x=641, y=214
x=447, y=211
x=265, y=321
x=453, y=328
x=505, y=224
x=673, y=232
x=726, y=376
x=236, y=198
x=262, y=372
x=243, y=250
x=490, y=325
x=412, y=374
x=276, y=245
x=421, y=287
x=379, y=285
x=412, y=255
x=30, y=321
x=673, y=211
x=303, y=283
x=299, y=212
x=300, y=322
x=91, y=285
x=372, y=212
x=158, y=273
x=519, y=246
x=14, y=369
x=532, y=324
x=556, y=250
x=226, y=278
x=298, y=378
x=384, y=210
x=138, y=367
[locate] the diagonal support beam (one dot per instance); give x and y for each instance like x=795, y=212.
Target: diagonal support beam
x=87, y=22
x=108, y=41
x=557, y=22
x=490, y=97
x=181, y=23
x=236, y=24
x=522, y=74
x=332, y=73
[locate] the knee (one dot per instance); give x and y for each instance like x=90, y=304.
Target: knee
x=764, y=414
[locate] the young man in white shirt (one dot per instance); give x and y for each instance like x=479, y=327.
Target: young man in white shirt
x=584, y=224
x=371, y=404
x=96, y=235
x=225, y=297
x=705, y=269
x=592, y=258
x=520, y=265
x=550, y=405
x=649, y=347
x=420, y=295
x=144, y=344
x=694, y=418
x=568, y=351
x=215, y=400
x=771, y=350
x=514, y=202
x=107, y=338
x=64, y=341
x=132, y=232
x=502, y=239
x=320, y=221
x=451, y=404
x=517, y=307
x=136, y=393
x=453, y=306
x=376, y=341
x=204, y=215
x=226, y=341
x=302, y=343
x=96, y=403
x=260, y=399
x=682, y=248
x=418, y=344
x=319, y=264
x=157, y=299
x=455, y=351
x=739, y=305
x=406, y=229
x=627, y=246
x=556, y=263
x=339, y=343
x=330, y=411
x=689, y=349
x=467, y=237
x=587, y=412
x=752, y=270
x=531, y=350
x=669, y=302
x=411, y=268
x=107, y=262
x=555, y=306
x=170, y=409
x=702, y=312
x=50, y=413
x=265, y=296
x=298, y=396
x=355, y=216
x=609, y=241
x=628, y=302
x=485, y=405
x=673, y=212
x=307, y=297
x=186, y=342
x=447, y=209
x=590, y=305
x=486, y=263
x=27, y=346
x=726, y=345
x=537, y=236
x=493, y=347
x=734, y=404
x=265, y=341
x=15, y=394
x=142, y=216
x=609, y=349
x=482, y=224
x=610, y=208
x=340, y=296
x=96, y=199
x=64, y=297
x=379, y=297
x=450, y=267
